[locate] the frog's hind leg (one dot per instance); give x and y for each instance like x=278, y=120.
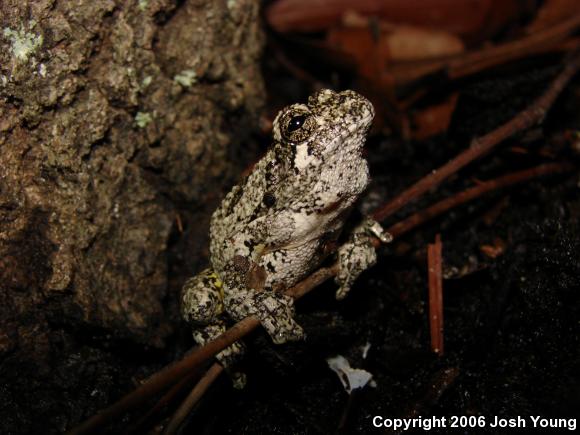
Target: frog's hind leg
x=202, y=298
x=202, y=305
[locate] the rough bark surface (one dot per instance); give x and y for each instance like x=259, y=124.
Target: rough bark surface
x=118, y=124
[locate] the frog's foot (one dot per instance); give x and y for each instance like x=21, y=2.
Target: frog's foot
x=371, y=226
x=358, y=254
x=227, y=357
x=274, y=310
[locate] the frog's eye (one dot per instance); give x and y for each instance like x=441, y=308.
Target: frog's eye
x=296, y=122
x=296, y=126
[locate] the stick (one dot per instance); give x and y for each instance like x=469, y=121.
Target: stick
x=442, y=206
x=173, y=372
x=196, y=393
x=551, y=39
x=482, y=145
x=434, y=261
x=141, y=426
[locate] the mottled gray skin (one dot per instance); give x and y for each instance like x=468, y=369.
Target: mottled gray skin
x=276, y=226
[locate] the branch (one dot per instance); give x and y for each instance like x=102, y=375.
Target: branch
x=481, y=146
x=435, y=290
x=145, y=421
x=196, y=393
x=442, y=206
x=550, y=40
x=173, y=372
x=434, y=260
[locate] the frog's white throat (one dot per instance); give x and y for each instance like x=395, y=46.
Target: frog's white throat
x=304, y=157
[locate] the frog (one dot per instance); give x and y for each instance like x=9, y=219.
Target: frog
x=285, y=219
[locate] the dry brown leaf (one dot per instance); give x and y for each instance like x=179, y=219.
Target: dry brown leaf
x=406, y=43
x=374, y=52
x=474, y=19
x=434, y=119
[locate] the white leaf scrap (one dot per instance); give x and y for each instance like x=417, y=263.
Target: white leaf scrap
x=350, y=378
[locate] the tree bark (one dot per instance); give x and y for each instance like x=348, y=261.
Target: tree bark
x=120, y=124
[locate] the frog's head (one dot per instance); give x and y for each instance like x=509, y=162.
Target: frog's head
x=331, y=122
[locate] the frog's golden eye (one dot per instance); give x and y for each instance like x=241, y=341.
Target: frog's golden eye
x=296, y=126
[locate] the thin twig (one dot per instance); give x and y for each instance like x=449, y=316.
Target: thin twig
x=166, y=399
x=532, y=44
x=167, y=376
x=173, y=372
x=551, y=39
x=434, y=260
x=196, y=393
x=481, y=146
x=442, y=206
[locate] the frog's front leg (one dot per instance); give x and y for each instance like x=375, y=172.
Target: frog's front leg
x=203, y=306
x=358, y=254
x=245, y=295
x=274, y=310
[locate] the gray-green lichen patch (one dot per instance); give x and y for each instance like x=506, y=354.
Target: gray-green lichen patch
x=146, y=82
x=142, y=119
x=23, y=43
x=186, y=78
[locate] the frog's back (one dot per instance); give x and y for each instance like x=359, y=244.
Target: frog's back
x=241, y=205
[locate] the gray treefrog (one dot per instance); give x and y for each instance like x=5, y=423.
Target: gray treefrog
x=275, y=227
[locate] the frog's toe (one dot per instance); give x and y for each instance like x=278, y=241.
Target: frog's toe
x=283, y=331
x=276, y=314
x=231, y=354
x=376, y=229
x=227, y=357
x=342, y=292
